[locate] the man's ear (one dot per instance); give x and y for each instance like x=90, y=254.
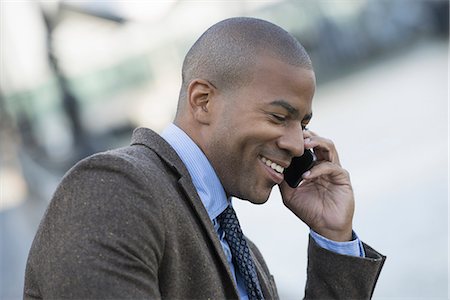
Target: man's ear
x=200, y=94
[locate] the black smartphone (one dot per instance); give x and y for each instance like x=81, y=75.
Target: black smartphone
x=299, y=165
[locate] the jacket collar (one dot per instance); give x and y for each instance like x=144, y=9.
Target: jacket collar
x=204, y=177
x=151, y=140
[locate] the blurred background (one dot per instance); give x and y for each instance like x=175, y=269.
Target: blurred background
x=77, y=76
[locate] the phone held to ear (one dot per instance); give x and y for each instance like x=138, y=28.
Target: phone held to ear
x=299, y=165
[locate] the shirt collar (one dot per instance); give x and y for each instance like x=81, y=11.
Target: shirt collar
x=206, y=182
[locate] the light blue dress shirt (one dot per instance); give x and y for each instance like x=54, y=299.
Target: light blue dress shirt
x=213, y=197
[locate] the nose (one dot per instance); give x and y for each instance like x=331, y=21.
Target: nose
x=292, y=140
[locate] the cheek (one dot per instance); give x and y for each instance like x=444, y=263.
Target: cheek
x=245, y=145
x=230, y=154
x=237, y=142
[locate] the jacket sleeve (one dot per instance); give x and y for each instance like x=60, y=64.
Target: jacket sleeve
x=335, y=276
x=102, y=236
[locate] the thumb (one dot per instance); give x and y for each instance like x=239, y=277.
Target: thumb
x=285, y=190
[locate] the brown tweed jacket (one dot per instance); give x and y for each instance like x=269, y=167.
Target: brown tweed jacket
x=128, y=223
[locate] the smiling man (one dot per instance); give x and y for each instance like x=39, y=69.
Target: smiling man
x=155, y=219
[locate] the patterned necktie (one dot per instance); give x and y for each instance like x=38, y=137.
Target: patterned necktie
x=240, y=252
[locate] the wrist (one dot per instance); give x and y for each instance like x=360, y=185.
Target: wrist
x=336, y=235
x=351, y=248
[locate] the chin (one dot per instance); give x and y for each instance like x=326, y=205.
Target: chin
x=258, y=198
x=258, y=194
x=259, y=201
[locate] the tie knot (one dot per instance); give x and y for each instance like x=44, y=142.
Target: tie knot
x=228, y=218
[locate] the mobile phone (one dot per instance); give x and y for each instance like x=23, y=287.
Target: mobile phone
x=299, y=165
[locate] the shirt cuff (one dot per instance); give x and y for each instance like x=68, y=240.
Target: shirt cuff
x=352, y=248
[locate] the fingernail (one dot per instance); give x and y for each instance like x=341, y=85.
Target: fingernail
x=306, y=174
x=307, y=140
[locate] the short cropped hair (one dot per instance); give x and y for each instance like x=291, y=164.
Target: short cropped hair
x=225, y=53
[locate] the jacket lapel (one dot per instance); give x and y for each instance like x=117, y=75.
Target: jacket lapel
x=264, y=280
x=150, y=139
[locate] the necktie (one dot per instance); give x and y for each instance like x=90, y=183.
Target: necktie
x=240, y=252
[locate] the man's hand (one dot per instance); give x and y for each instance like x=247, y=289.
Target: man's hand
x=324, y=199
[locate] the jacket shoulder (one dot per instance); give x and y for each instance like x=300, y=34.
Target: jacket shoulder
x=109, y=206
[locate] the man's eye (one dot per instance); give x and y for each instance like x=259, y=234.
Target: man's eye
x=279, y=118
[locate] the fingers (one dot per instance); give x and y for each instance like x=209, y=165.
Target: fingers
x=308, y=133
x=323, y=147
x=326, y=168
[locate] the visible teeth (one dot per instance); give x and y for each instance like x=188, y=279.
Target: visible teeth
x=273, y=165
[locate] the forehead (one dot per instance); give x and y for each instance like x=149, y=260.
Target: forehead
x=275, y=80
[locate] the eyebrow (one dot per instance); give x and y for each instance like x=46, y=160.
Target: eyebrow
x=290, y=109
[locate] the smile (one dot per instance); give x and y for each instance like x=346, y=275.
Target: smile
x=273, y=165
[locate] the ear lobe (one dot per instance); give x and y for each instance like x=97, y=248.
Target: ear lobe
x=200, y=93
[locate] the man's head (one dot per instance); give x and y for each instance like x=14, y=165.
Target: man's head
x=246, y=93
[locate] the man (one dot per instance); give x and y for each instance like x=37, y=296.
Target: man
x=154, y=220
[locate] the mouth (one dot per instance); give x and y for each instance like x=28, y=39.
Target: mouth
x=275, y=170
x=273, y=165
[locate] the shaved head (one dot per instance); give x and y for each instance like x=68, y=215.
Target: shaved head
x=225, y=55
